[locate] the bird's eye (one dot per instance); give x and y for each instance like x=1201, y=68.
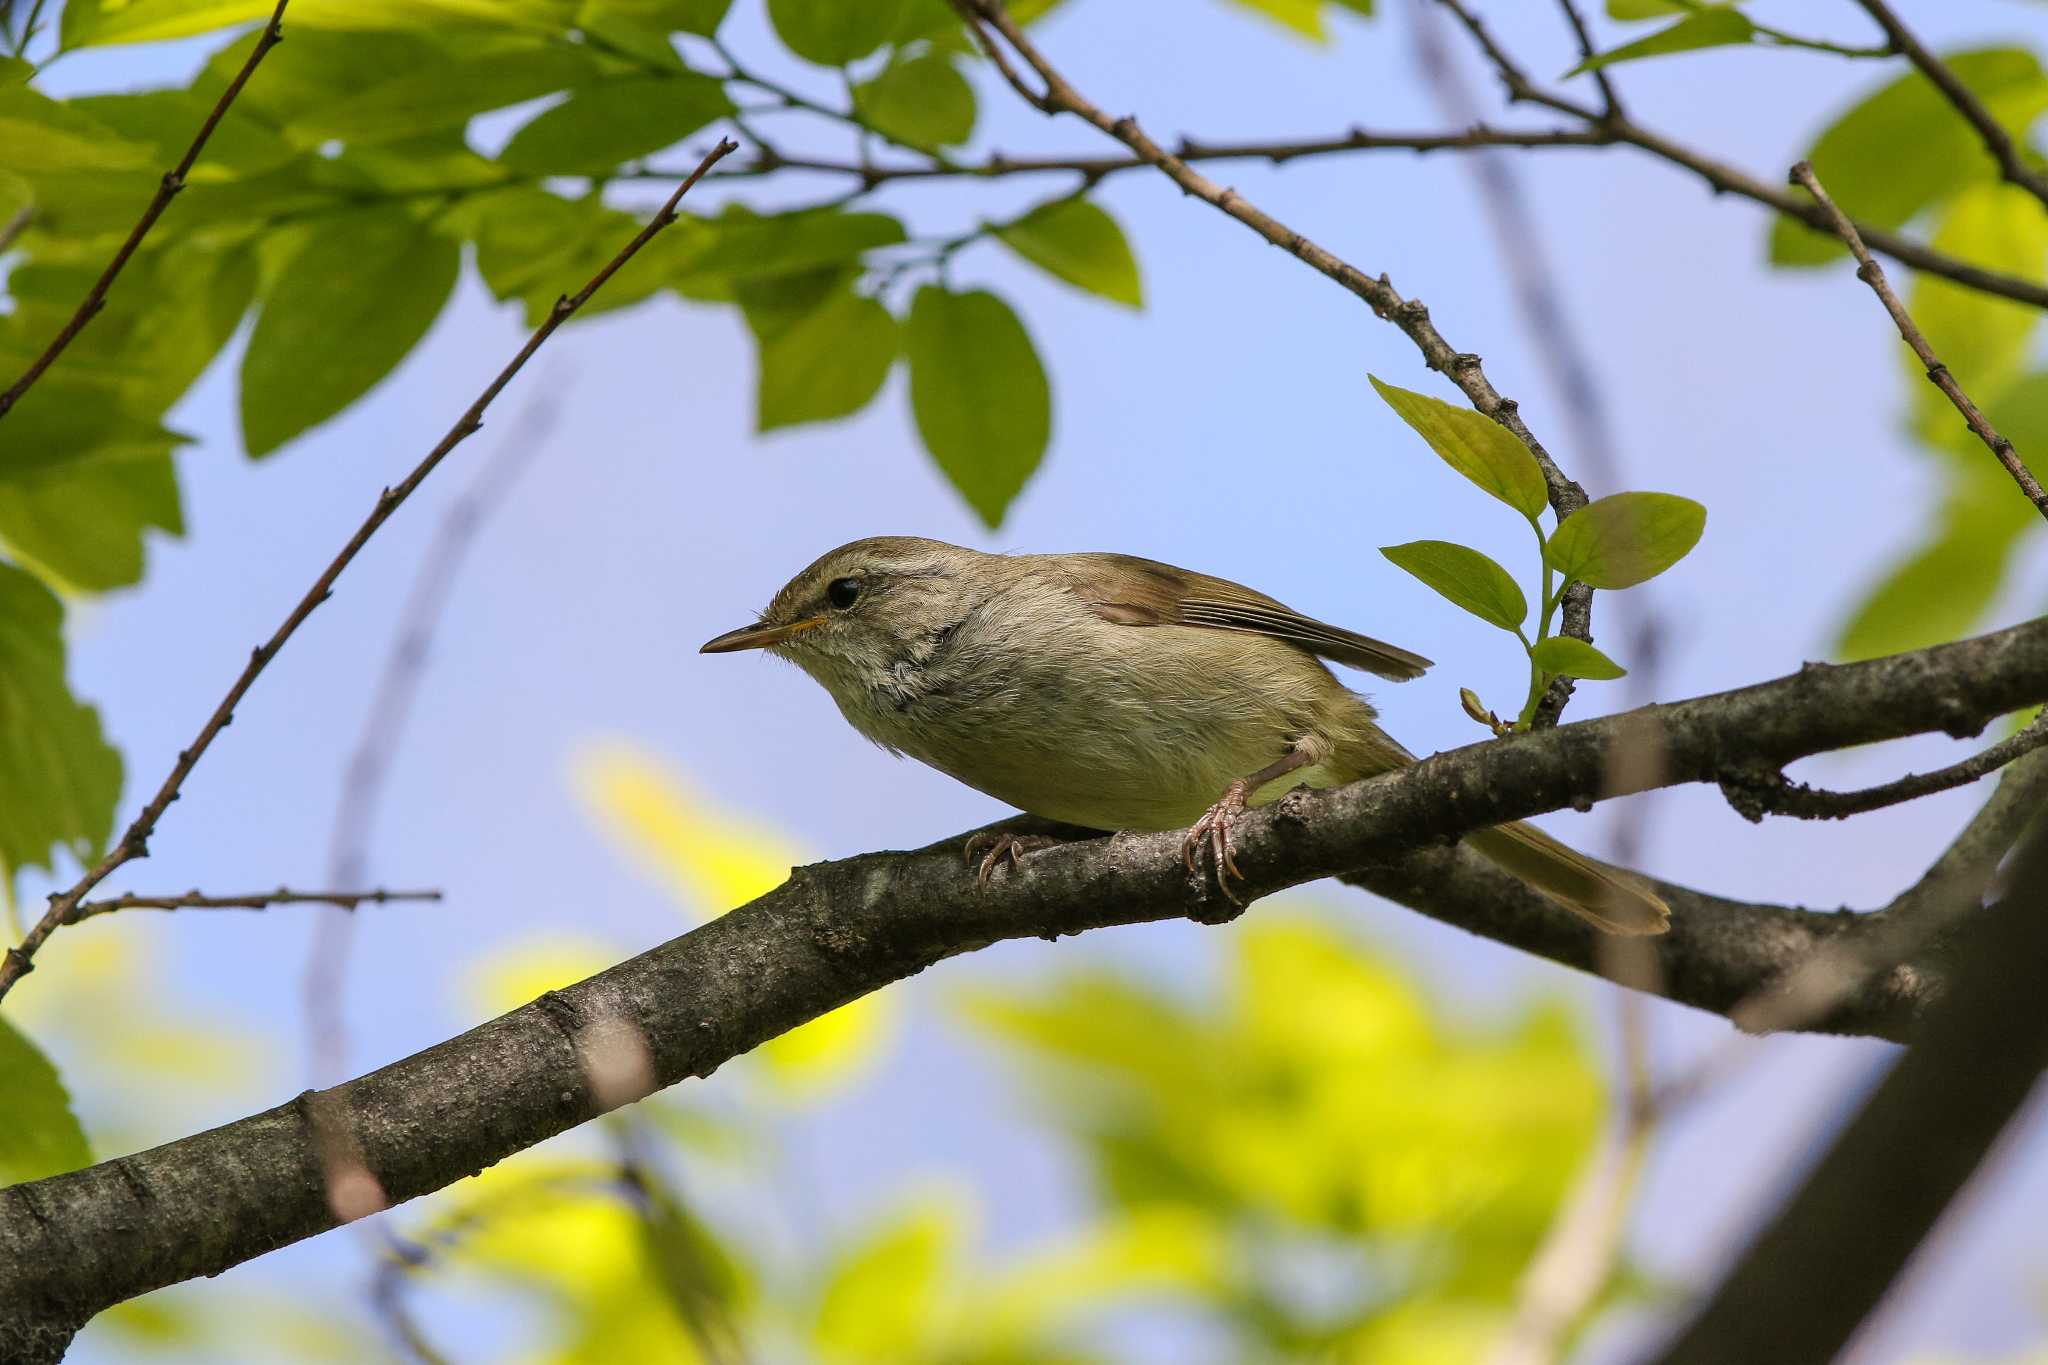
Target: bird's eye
x=842, y=592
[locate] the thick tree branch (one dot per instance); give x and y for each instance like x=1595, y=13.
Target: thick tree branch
x=1997, y=141
x=1463, y=368
x=167, y=189
x=1872, y=274
x=73, y=1244
x=1825, y=1260
x=134, y=842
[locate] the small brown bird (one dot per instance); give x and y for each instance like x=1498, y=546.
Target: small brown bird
x=1115, y=692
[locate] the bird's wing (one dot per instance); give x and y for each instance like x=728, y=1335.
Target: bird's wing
x=1143, y=592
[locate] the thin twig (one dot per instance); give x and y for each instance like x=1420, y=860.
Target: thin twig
x=1772, y=793
x=384, y=725
x=258, y=900
x=1872, y=274
x=134, y=842
x=1462, y=367
x=16, y=225
x=166, y=190
x=1996, y=140
x=1609, y=100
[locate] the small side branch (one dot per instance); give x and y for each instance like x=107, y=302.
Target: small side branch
x=166, y=190
x=256, y=900
x=1872, y=274
x=134, y=842
x=1996, y=140
x=1758, y=795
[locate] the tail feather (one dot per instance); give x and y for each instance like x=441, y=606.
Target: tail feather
x=1612, y=900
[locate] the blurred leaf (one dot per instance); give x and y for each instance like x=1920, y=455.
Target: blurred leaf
x=1904, y=148
x=535, y=246
x=82, y=525
x=828, y=364
x=922, y=102
x=883, y=1295
x=41, y=1136
x=1719, y=27
x=773, y=304
x=1620, y=540
x=979, y=395
x=599, y=126
x=741, y=244
x=88, y=23
x=833, y=32
x=510, y=977
x=1303, y=17
x=1942, y=588
x=1475, y=445
x=38, y=133
x=347, y=308
x=1981, y=338
x=1628, y=10
x=59, y=778
x=712, y=863
x=1144, y=1251
x=1081, y=244
x=162, y=123
x=668, y=16
x=442, y=95
x=1465, y=576
x=1574, y=659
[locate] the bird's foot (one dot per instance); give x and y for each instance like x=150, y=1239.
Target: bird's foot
x=1214, y=827
x=995, y=847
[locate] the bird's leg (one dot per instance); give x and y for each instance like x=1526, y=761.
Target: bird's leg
x=1216, y=822
x=994, y=846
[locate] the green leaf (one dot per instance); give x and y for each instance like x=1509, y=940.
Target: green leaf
x=38, y=133
x=1628, y=10
x=662, y=16
x=1941, y=589
x=599, y=126
x=443, y=95
x=82, y=526
x=1701, y=29
x=1574, y=659
x=346, y=308
x=742, y=244
x=1301, y=17
x=882, y=1299
x=1475, y=445
x=979, y=395
x=41, y=1136
x=827, y=364
x=834, y=32
x=163, y=121
x=1903, y=149
x=1465, y=576
x=923, y=102
x=1081, y=244
x=1625, y=538
x=59, y=778
x=1981, y=337
x=97, y=22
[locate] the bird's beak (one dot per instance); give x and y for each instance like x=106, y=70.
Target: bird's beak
x=758, y=636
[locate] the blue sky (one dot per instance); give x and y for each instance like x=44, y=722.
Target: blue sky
x=1227, y=427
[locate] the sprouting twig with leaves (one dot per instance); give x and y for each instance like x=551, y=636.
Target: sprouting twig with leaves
x=1614, y=542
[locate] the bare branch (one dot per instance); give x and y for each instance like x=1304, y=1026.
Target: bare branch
x=1610, y=102
x=258, y=900
x=166, y=190
x=72, y=1244
x=1997, y=141
x=1755, y=795
x=134, y=842
x=1872, y=274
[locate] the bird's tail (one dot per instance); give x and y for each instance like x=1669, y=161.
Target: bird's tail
x=1613, y=901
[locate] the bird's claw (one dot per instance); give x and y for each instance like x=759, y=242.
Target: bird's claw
x=1214, y=828
x=995, y=847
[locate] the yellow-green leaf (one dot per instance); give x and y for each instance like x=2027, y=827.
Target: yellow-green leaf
x=979, y=395
x=828, y=364
x=885, y=1294
x=599, y=126
x=922, y=102
x=38, y=133
x=81, y=526
x=1465, y=576
x=1721, y=27
x=344, y=311
x=1620, y=540
x=1904, y=148
x=834, y=32
x=1079, y=242
x=742, y=244
x=41, y=1135
x=1475, y=445
x=442, y=95
x=1574, y=659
